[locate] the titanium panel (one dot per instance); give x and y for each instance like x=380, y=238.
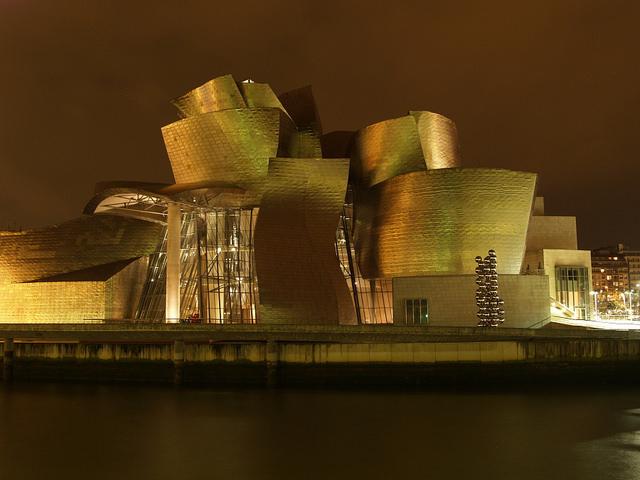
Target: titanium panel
x=78, y=244
x=435, y=222
x=439, y=140
x=301, y=106
x=221, y=93
x=387, y=149
x=304, y=144
x=298, y=271
x=72, y=300
x=231, y=146
x=260, y=95
x=52, y=302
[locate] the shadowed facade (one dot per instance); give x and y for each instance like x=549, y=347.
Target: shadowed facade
x=298, y=271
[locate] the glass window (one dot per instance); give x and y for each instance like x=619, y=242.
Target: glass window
x=572, y=289
x=416, y=311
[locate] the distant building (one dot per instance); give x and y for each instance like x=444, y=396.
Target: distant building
x=616, y=279
x=633, y=260
x=610, y=270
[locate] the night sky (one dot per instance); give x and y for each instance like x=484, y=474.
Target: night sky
x=551, y=86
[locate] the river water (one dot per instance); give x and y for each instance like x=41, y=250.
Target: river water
x=120, y=432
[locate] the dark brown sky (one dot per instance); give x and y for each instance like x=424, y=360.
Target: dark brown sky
x=551, y=86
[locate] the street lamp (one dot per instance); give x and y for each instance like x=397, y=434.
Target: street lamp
x=595, y=300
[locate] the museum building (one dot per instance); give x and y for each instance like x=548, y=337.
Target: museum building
x=272, y=221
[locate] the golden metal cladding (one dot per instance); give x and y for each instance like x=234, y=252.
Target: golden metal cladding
x=109, y=293
x=260, y=95
x=78, y=244
x=419, y=141
x=386, y=149
x=298, y=272
x=439, y=140
x=301, y=106
x=304, y=144
x=227, y=146
x=437, y=221
x=221, y=93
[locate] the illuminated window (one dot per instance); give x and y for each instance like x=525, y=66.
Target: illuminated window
x=572, y=289
x=416, y=311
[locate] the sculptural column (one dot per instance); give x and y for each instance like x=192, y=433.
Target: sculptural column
x=172, y=307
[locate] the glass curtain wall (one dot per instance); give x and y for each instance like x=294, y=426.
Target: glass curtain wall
x=218, y=283
x=372, y=298
x=572, y=289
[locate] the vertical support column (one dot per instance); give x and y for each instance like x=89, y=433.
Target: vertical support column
x=7, y=360
x=374, y=301
x=272, y=356
x=172, y=307
x=178, y=362
x=352, y=271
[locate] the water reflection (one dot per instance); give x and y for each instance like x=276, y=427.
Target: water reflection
x=70, y=431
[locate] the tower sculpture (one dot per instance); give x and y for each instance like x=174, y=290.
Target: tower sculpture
x=490, y=305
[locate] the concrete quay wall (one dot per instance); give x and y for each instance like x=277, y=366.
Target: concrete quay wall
x=341, y=353
x=277, y=356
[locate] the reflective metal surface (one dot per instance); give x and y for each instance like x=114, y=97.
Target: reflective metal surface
x=89, y=268
x=259, y=95
x=229, y=146
x=302, y=109
x=439, y=140
x=418, y=141
x=85, y=242
x=298, y=271
x=387, y=149
x=436, y=221
x=221, y=93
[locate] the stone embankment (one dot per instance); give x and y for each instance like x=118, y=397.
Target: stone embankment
x=315, y=355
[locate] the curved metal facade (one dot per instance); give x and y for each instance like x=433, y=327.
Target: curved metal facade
x=78, y=244
x=437, y=221
x=387, y=149
x=418, y=141
x=298, y=271
x=228, y=146
x=259, y=95
x=439, y=140
x=221, y=93
x=302, y=109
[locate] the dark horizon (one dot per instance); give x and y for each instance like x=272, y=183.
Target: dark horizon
x=546, y=87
